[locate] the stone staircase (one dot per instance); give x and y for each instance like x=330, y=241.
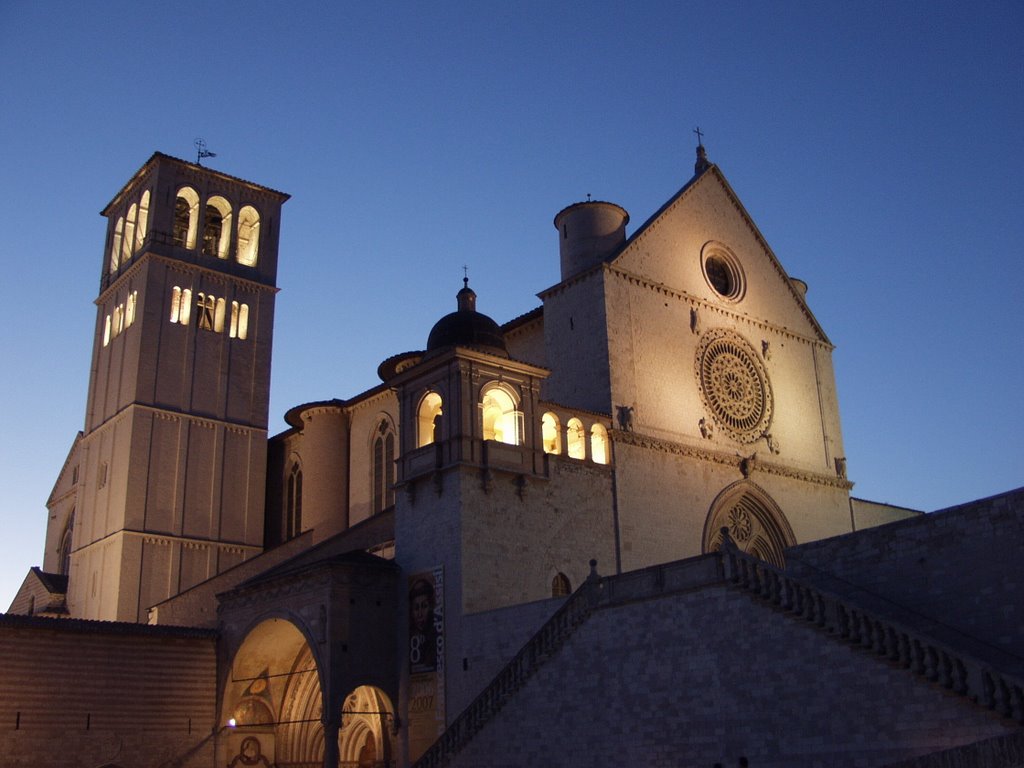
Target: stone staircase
x=940, y=663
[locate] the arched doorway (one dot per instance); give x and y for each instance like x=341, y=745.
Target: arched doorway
x=367, y=729
x=755, y=522
x=272, y=701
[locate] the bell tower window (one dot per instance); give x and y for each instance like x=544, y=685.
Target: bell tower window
x=143, y=221
x=217, y=229
x=186, y=218
x=128, y=242
x=115, y=248
x=248, y=236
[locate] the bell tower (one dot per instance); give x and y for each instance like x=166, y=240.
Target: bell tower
x=175, y=439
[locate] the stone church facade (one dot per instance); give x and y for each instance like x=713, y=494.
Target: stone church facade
x=552, y=541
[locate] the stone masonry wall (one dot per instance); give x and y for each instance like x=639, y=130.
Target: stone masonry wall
x=929, y=567
x=712, y=675
x=92, y=693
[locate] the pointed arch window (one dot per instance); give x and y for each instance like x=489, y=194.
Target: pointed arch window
x=500, y=419
x=293, y=503
x=599, y=444
x=64, y=553
x=576, y=439
x=383, y=479
x=551, y=433
x=186, y=218
x=428, y=420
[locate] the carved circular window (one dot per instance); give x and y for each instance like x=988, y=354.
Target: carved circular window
x=734, y=385
x=723, y=272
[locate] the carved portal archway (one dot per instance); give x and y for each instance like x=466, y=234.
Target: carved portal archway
x=272, y=700
x=755, y=522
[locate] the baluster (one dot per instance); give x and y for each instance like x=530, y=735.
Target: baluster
x=947, y=671
x=787, y=594
x=918, y=656
x=893, y=642
x=1018, y=698
x=988, y=689
x=822, y=616
x=1005, y=702
x=932, y=664
x=842, y=620
x=959, y=677
x=904, y=651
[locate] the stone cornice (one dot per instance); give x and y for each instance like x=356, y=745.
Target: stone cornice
x=746, y=465
x=166, y=413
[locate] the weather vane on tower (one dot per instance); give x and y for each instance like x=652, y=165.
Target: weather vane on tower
x=202, y=151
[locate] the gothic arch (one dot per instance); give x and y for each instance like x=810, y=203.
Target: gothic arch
x=756, y=523
x=382, y=443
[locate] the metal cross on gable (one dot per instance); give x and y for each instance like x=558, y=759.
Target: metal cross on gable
x=700, y=136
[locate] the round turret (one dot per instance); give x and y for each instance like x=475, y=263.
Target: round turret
x=588, y=233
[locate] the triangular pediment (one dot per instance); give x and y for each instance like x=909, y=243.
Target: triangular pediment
x=706, y=219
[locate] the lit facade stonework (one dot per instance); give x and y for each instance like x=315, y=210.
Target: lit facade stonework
x=386, y=581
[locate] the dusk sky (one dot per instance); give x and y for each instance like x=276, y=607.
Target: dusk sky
x=879, y=148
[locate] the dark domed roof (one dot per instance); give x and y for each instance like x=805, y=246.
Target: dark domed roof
x=466, y=328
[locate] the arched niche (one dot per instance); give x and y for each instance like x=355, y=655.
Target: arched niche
x=551, y=433
x=217, y=227
x=756, y=523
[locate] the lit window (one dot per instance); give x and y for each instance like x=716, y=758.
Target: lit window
x=206, y=306
x=599, y=444
x=560, y=586
x=429, y=420
x=143, y=222
x=577, y=439
x=239, y=320
x=248, y=235
x=218, y=316
x=115, y=248
x=128, y=243
x=186, y=218
x=551, y=432
x=106, y=331
x=293, y=521
x=383, y=467
x=118, y=320
x=500, y=419
x=181, y=305
x=129, y=308
x=217, y=229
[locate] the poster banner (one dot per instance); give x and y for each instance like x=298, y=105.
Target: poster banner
x=426, y=660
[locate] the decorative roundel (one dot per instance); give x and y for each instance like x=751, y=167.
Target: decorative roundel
x=734, y=385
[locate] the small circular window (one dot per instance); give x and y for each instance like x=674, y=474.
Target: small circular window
x=722, y=271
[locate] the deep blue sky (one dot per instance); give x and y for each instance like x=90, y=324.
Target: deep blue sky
x=878, y=146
